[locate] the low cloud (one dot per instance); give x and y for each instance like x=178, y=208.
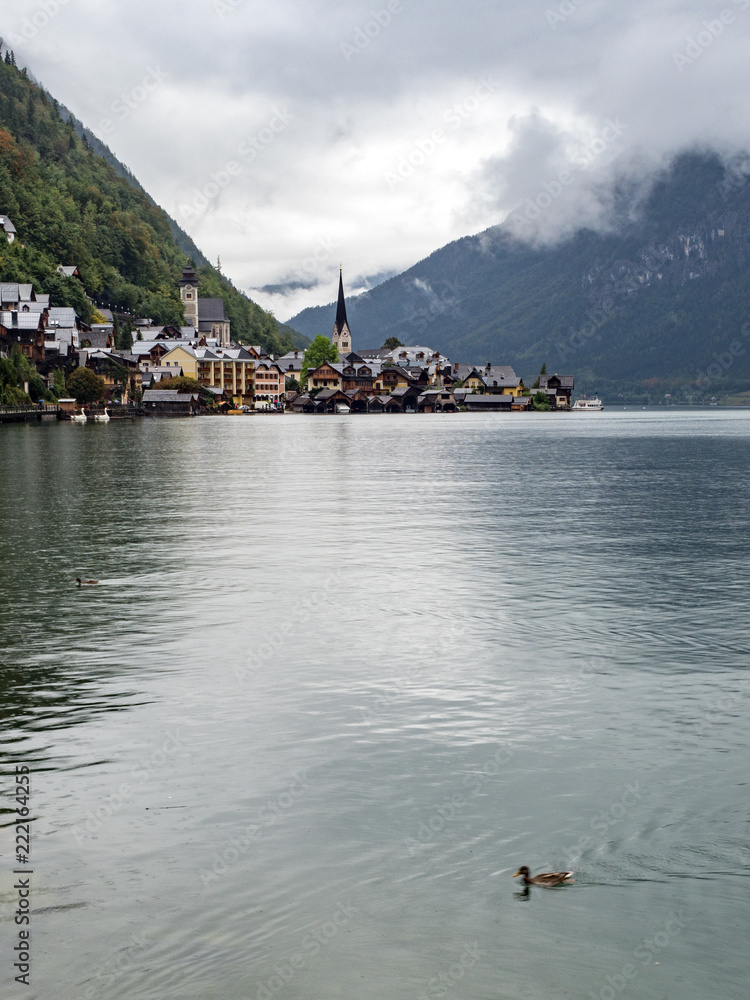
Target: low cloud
x=232, y=73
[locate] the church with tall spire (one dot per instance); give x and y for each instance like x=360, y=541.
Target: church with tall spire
x=341, y=337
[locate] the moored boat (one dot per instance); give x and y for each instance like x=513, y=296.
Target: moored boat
x=588, y=404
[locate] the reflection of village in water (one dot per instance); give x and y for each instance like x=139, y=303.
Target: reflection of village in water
x=239, y=378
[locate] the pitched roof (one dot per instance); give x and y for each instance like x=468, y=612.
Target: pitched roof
x=566, y=381
x=182, y=347
x=62, y=316
x=168, y=395
x=96, y=338
x=336, y=365
x=212, y=311
x=340, y=306
x=21, y=320
x=487, y=400
x=381, y=352
x=7, y=224
x=290, y=364
x=491, y=382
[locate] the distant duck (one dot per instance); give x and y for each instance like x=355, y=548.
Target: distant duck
x=547, y=879
x=84, y=583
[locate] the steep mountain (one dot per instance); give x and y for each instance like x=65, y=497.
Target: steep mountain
x=655, y=307
x=72, y=202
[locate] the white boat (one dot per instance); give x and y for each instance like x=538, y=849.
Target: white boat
x=343, y=408
x=101, y=418
x=588, y=404
x=79, y=418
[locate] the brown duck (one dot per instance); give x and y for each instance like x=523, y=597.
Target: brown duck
x=547, y=879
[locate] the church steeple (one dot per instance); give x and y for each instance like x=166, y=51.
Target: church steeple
x=341, y=336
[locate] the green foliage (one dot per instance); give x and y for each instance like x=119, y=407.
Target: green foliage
x=320, y=351
x=59, y=383
x=392, y=343
x=8, y=374
x=13, y=396
x=38, y=390
x=70, y=206
x=86, y=387
x=182, y=383
x=23, y=367
x=540, y=401
x=15, y=372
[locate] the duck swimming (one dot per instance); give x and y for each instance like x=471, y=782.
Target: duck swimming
x=83, y=583
x=546, y=879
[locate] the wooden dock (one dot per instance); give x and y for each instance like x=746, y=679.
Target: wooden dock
x=27, y=414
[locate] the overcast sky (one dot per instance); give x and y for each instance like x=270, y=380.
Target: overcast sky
x=290, y=136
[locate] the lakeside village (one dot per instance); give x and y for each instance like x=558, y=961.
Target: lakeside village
x=197, y=368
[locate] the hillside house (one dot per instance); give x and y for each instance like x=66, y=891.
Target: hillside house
x=8, y=228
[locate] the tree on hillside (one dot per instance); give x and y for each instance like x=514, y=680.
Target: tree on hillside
x=86, y=386
x=392, y=343
x=320, y=351
x=542, y=371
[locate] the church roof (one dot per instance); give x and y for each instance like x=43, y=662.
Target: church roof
x=341, y=321
x=212, y=311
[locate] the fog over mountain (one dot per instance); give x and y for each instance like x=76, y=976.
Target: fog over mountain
x=291, y=137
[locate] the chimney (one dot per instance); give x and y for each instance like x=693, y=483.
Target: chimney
x=455, y=366
x=488, y=367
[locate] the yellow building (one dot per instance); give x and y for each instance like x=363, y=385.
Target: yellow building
x=231, y=369
x=182, y=357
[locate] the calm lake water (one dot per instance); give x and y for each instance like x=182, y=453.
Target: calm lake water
x=342, y=676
